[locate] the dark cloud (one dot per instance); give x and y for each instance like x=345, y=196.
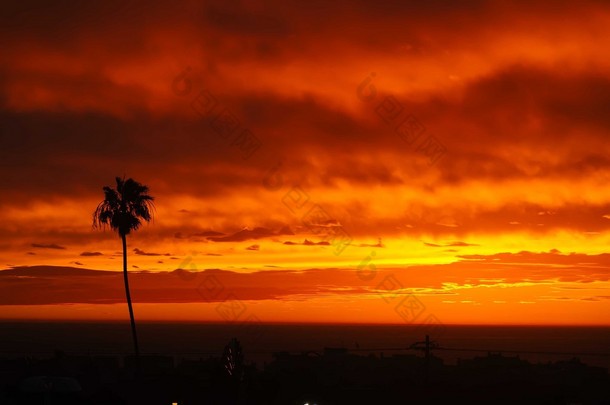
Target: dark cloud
x=307, y=242
x=503, y=100
x=51, y=271
x=143, y=253
x=47, y=246
x=91, y=254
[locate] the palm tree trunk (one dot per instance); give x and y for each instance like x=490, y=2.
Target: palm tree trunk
x=133, y=321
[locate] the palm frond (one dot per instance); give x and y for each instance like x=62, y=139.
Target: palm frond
x=124, y=208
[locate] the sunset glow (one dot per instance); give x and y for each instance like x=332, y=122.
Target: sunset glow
x=339, y=162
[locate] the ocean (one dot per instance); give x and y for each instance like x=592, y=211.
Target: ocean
x=201, y=340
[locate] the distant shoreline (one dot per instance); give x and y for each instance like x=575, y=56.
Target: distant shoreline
x=190, y=322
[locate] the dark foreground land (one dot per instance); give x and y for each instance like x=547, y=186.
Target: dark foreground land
x=332, y=377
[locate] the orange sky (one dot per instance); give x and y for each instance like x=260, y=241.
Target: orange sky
x=457, y=149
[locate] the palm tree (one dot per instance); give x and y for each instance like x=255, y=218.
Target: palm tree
x=124, y=209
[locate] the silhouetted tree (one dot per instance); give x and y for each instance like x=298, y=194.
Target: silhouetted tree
x=123, y=210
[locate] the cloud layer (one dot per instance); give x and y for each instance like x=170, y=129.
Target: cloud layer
x=261, y=129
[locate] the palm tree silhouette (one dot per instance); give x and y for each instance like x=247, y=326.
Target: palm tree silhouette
x=124, y=209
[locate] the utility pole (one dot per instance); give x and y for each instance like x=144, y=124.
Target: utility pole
x=427, y=359
x=426, y=346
